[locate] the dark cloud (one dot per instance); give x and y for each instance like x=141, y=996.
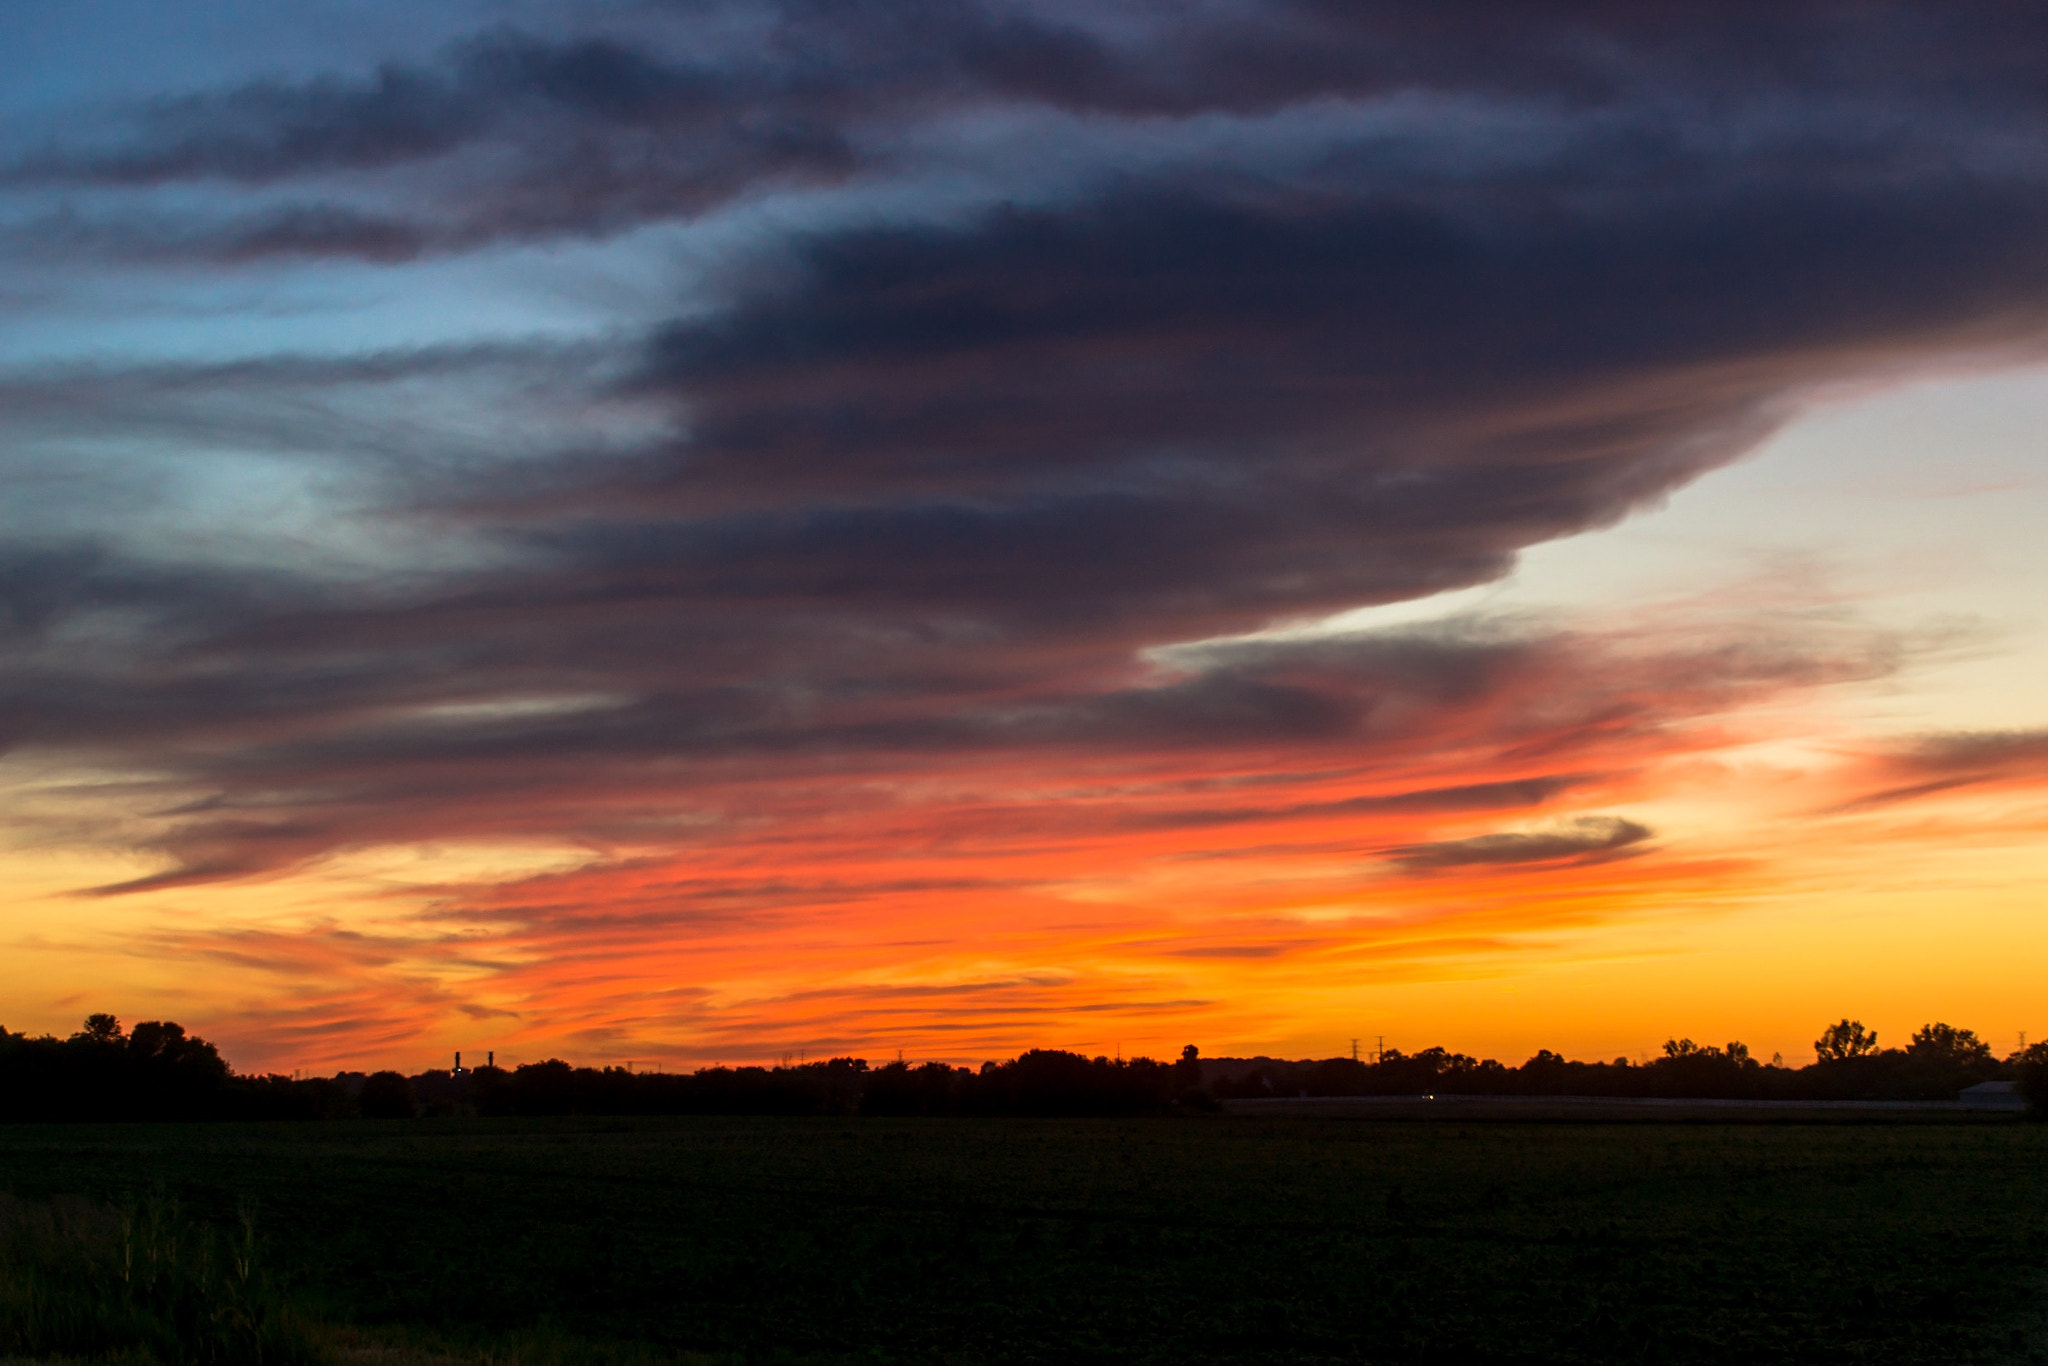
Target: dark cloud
x=717, y=64
x=516, y=138
x=1587, y=838
x=265, y=130
x=320, y=230
x=1986, y=752
x=1236, y=951
x=361, y=747
x=501, y=84
x=1512, y=794
x=1944, y=763
x=926, y=478
x=1197, y=409
x=669, y=113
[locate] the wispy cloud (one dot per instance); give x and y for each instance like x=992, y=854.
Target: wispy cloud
x=1939, y=764
x=1587, y=837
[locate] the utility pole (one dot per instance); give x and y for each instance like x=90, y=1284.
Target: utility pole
x=1379, y=1053
x=1354, y=1050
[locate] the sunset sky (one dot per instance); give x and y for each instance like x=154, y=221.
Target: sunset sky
x=696, y=532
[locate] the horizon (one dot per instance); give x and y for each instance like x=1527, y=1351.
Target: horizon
x=1674, y=1045
x=725, y=531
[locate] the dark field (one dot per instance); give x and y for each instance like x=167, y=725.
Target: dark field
x=1121, y=1241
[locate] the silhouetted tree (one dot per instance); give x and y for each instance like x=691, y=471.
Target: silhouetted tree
x=1942, y=1059
x=386, y=1095
x=1702, y=1070
x=1950, y=1046
x=1843, y=1040
x=931, y=1088
x=99, y=1073
x=104, y=1029
x=2030, y=1070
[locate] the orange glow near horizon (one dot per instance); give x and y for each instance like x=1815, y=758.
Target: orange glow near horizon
x=1676, y=842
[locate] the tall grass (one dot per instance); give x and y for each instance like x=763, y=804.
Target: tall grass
x=141, y=1284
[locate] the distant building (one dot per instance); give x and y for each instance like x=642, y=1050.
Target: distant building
x=1992, y=1095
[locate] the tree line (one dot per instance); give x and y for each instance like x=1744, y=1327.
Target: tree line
x=157, y=1071
x=1938, y=1062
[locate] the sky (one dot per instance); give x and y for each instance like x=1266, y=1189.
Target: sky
x=682, y=533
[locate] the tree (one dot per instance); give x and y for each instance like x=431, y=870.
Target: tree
x=386, y=1095
x=1945, y=1044
x=1845, y=1039
x=101, y=1028
x=157, y=1039
x=164, y=1043
x=2031, y=1066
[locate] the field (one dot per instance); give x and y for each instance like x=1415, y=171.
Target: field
x=1227, y=1239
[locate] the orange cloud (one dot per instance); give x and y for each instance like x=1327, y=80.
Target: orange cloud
x=1459, y=805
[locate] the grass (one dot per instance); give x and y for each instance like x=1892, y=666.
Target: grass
x=80, y=1280
x=1286, y=1240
